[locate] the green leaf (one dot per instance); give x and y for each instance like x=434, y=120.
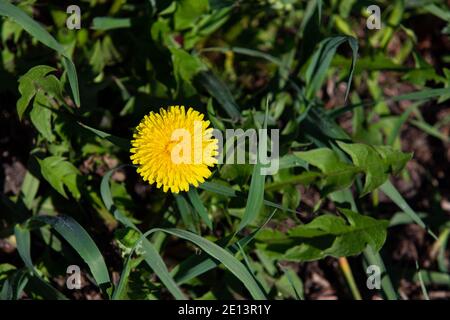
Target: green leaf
x=29, y=189
x=290, y=284
x=39, y=32
x=188, y=12
x=336, y=173
x=41, y=116
x=366, y=157
x=59, y=173
x=326, y=235
x=376, y=162
x=28, y=86
x=185, y=67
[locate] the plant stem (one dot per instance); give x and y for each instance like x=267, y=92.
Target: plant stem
x=345, y=267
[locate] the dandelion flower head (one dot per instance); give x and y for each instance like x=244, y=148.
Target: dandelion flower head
x=174, y=148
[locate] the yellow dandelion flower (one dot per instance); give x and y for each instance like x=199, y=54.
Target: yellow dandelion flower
x=174, y=148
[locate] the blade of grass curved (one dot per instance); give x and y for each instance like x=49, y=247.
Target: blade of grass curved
x=321, y=60
x=73, y=77
x=226, y=258
x=220, y=92
x=197, y=265
x=399, y=122
x=120, y=289
x=22, y=235
x=255, y=197
x=119, y=142
x=37, y=31
x=82, y=242
x=152, y=257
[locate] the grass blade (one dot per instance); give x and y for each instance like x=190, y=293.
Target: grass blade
x=374, y=258
x=107, y=23
x=390, y=191
x=321, y=60
x=185, y=212
x=152, y=257
x=194, y=197
x=83, y=244
x=256, y=193
x=197, y=265
x=220, y=92
x=422, y=284
x=226, y=258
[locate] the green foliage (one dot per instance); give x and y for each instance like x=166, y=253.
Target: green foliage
x=339, y=95
x=327, y=235
x=59, y=173
x=375, y=162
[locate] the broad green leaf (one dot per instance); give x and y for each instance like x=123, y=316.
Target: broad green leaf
x=188, y=12
x=366, y=157
x=41, y=116
x=59, y=173
x=376, y=162
x=29, y=189
x=38, y=31
x=28, y=86
x=326, y=235
x=336, y=173
x=185, y=67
